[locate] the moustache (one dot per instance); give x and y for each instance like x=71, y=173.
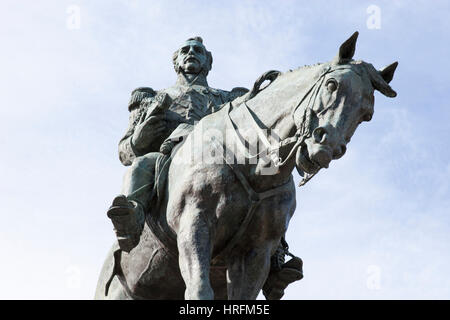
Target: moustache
x=190, y=58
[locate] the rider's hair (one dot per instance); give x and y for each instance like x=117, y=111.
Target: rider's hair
x=209, y=59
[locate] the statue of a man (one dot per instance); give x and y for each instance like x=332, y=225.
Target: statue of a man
x=157, y=120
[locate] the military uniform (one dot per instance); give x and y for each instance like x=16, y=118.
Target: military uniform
x=188, y=105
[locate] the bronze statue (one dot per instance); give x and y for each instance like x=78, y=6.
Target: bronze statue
x=214, y=225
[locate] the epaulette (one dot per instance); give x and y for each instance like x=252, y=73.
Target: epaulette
x=239, y=91
x=138, y=95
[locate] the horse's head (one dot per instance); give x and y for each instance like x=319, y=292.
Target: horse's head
x=341, y=97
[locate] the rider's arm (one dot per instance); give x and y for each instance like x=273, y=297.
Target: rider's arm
x=127, y=152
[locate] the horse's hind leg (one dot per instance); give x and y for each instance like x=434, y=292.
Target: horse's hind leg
x=194, y=246
x=247, y=273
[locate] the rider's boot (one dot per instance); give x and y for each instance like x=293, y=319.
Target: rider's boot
x=129, y=209
x=128, y=219
x=282, y=273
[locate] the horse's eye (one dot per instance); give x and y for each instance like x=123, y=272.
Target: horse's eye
x=331, y=85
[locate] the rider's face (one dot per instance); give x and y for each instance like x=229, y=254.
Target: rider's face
x=192, y=57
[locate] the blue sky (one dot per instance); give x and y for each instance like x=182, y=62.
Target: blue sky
x=375, y=225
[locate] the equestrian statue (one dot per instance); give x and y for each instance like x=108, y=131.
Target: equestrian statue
x=209, y=193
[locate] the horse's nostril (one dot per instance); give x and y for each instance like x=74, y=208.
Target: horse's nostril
x=320, y=135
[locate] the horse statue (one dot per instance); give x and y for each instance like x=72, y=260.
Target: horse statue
x=218, y=222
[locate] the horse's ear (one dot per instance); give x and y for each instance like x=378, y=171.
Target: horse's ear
x=387, y=73
x=379, y=81
x=347, y=49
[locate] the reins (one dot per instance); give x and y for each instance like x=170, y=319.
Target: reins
x=298, y=138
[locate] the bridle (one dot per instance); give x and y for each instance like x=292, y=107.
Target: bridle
x=302, y=133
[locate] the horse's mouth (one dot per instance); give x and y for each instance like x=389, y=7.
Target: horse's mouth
x=304, y=162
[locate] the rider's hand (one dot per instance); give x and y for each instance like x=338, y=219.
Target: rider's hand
x=148, y=130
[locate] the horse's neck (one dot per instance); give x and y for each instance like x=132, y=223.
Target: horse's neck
x=272, y=109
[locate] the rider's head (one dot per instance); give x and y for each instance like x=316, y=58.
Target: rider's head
x=192, y=57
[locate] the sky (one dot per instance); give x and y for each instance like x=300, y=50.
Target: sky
x=375, y=225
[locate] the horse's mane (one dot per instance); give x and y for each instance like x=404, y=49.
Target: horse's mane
x=307, y=66
x=360, y=67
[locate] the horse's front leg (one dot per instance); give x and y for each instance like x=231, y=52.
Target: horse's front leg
x=194, y=246
x=247, y=272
